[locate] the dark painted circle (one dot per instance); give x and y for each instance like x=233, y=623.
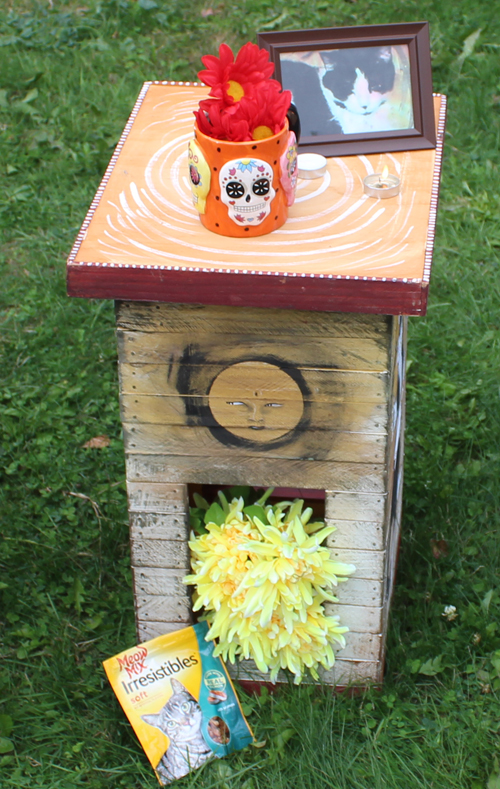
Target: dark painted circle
x=235, y=189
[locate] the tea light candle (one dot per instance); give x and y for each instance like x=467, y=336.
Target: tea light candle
x=311, y=165
x=382, y=184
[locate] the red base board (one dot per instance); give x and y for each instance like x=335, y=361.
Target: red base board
x=247, y=290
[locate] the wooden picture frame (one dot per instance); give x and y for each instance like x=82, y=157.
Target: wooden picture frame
x=358, y=90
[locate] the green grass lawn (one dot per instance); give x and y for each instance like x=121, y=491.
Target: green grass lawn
x=69, y=74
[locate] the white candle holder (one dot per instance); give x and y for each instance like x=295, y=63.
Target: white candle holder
x=311, y=165
x=379, y=185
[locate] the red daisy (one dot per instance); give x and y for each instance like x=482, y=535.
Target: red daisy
x=231, y=79
x=245, y=103
x=223, y=123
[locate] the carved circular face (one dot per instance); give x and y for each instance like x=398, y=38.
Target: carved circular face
x=256, y=400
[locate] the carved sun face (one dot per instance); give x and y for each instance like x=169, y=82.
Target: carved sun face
x=256, y=400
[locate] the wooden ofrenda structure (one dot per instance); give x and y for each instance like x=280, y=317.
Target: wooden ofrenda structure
x=280, y=361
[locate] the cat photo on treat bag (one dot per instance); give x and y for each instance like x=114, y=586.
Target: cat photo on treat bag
x=243, y=158
x=180, y=701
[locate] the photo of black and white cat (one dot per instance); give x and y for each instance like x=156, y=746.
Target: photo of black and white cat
x=353, y=90
x=180, y=720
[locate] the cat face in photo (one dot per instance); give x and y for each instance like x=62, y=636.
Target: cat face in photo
x=180, y=718
x=359, y=79
x=355, y=90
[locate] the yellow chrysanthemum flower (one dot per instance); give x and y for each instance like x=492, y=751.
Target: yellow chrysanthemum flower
x=263, y=585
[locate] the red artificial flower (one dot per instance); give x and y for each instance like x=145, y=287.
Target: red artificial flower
x=220, y=122
x=245, y=103
x=217, y=121
x=269, y=108
x=231, y=79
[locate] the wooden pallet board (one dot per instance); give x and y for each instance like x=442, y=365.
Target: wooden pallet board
x=164, y=410
x=208, y=320
x=344, y=673
x=326, y=386
x=258, y=471
x=341, y=353
x=325, y=445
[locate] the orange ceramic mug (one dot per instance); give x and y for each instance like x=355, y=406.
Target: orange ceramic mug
x=243, y=189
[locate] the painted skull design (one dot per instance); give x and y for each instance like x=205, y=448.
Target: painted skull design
x=247, y=190
x=289, y=169
x=199, y=176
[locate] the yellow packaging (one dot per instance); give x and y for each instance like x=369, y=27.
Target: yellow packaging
x=180, y=701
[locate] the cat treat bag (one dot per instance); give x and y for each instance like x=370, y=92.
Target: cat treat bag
x=180, y=701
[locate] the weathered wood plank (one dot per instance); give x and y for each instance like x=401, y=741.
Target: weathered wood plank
x=394, y=530
x=354, y=506
x=267, y=322
x=345, y=671
x=175, y=554
x=328, y=386
x=150, y=581
x=397, y=407
x=355, y=591
x=165, y=410
x=351, y=353
x=390, y=569
x=159, y=498
x=342, y=674
x=360, y=646
x=358, y=618
x=160, y=580
x=159, y=553
x=311, y=445
x=369, y=564
x=163, y=608
x=239, y=470
x=146, y=630
x=159, y=526
x=361, y=535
